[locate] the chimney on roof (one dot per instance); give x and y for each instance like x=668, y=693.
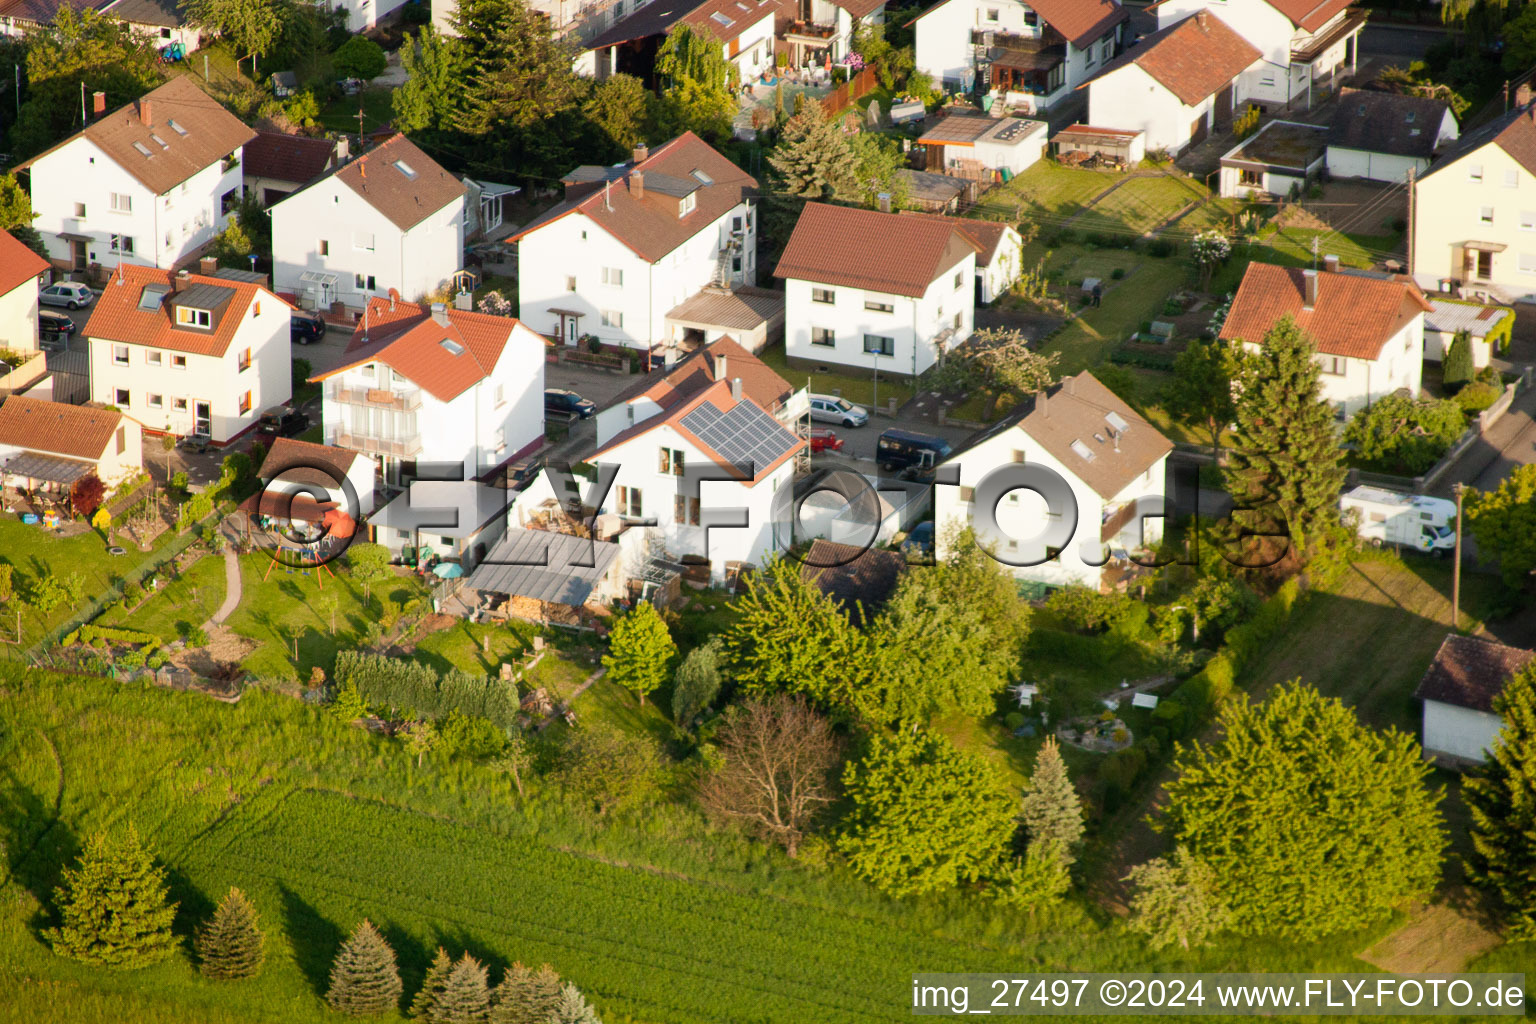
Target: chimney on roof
x=440, y=313
x=720, y=367
x=394, y=295
x=1331, y=263
x=207, y=266
x=885, y=202
x=736, y=388
x=1523, y=95
x=1308, y=288
x=145, y=114
x=637, y=184
x=1200, y=19
x=1040, y=404
x=98, y=104
x=642, y=153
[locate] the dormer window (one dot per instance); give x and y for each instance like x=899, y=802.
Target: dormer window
x=685, y=205
x=186, y=317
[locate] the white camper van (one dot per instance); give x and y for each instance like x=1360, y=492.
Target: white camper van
x=1409, y=520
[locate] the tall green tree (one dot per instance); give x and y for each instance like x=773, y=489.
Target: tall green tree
x=1502, y=798
x=424, y=1006
x=1314, y=823
x=435, y=68
x=814, y=159
x=1503, y=521
x=526, y=995
x=1037, y=879
x=1286, y=455
x=697, y=85
x=619, y=108
x=364, y=979
x=696, y=683
x=520, y=75
x=1406, y=434
x=573, y=1008
x=230, y=945
x=360, y=57
x=1051, y=811
x=112, y=905
x=640, y=651
x=924, y=815
x=1459, y=367
x=1201, y=389
x=466, y=997
x=252, y=26
x=1177, y=900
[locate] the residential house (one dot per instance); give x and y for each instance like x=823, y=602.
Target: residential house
x=1177, y=85
x=362, y=15
x=1472, y=215
x=1459, y=690
x=822, y=30
x=1306, y=46
x=876, y=291
x=1383, y=136
x=436, y=386
x=159, y=21
x=278, y=164
x=320, y=473
x=999, y=254
x=1368, y=329
x=187, y=353
x=630, y=243
x=1279, y=161
x=149, y=184
x=721, y=360
x=1113, y=461
x=450, y=520
x=733, y=514
x=1030, y=56
x=20, y=269
x=49, y=445
x=1488, y=329
x=391, y=219
x=983, y=148
x=485, y=205
x=743, y=28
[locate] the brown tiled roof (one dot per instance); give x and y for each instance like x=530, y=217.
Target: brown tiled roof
x=984, y=235
x=1082, y=21
x=1193, y=58
x=117, y=316
x=76, y=431
x=212, y=133
x=283, y=157
x=851, y=575
x=405, y=200
x=1077, y=410
x=881, y=252
x=1354, y=316
x=18, y=264
x=859, y=8
x=650, y=225
x=658, y=17
x=1310, y=14
x=301, y=462
x=722, y=359
x=407, y=340
x=1386, y=122
x=1470, y=672
x=1514, y=133
x=739, y=309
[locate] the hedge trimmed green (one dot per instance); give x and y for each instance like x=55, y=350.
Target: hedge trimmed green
x=412, y=686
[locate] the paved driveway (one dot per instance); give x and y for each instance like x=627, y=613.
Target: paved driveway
x=1510, y=444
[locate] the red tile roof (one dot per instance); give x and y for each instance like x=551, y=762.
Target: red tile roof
x=406, y=199
x=302, y=462
x=984, y=235
x=1192, y=59
x=1081, y=21
x=722, y=359
x=409, y=341
x=282, y=157
x=18, y=264
x=649, y=224
x=76, y=431
x=1469, y=672
x=117, y=316
x=1354, y=315
x=880, y=252
x=1311, y=14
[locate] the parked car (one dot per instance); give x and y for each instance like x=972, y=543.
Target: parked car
x=825, y=440
x=914, y=455
x=69, y=294
x=305, y=328
x=831, y=409
x=568, y=403
x=282, y=422
x=919, y=543
x=54, y=325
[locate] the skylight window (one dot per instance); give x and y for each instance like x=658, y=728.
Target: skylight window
x=143, y=149
x=405, y=169
x=452, y=347
x=1410, y=116
x=151, y=297
x=178, y=129
x=702, y=178
x=721, y=19
x=1116, y=420
x=159, y=141
x=1083, y=450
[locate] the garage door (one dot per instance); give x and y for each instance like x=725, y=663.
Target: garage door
x=1197, y=131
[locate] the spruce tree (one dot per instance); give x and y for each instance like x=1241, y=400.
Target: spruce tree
x=1286, y=453
x=640, y=651
x=229, y=946
x=112, y=905
x=425, y=1003
x=1051, y=811
x=1502, y=798
x=364, y=979
x=1458, y=367
x=813, y=160
x=466, y=997
x=573, y=1008
x=526, y=996
x=1177, y=899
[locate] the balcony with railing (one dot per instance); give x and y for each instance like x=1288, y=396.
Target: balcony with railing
x=394, y=447
x=809, y=31
x=407, y=400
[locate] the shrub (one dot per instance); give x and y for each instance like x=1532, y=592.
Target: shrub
x=1117, y=273
x=1160, y=248
x=476, y=738
x=1013, y=720
x=1476, y=397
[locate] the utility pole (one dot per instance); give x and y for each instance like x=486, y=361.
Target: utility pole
x=1410, y=222
x=1460, y=489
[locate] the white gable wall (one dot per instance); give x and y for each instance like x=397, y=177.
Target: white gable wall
x=1459, y=732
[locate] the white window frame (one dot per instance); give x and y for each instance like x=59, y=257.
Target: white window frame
x=612, y=318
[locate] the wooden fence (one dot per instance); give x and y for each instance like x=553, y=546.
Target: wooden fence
x=841, y=98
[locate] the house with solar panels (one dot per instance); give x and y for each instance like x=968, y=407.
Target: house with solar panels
x=711, y=475
x=1112, y=460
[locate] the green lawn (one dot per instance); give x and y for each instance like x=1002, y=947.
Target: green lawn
x=191, y=600
x=340, y=114
x=476, y=647
x=1047, y=188
x=1140, y=205
x=1087, y=340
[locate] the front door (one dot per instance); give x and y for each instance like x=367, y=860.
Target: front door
x=1484, y=264
x=202, y=418
x=77, y=254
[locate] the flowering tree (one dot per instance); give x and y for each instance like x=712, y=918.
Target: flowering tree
x=496, y=304
x=1209, y=248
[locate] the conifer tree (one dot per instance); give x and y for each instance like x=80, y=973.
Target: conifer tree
x=425, y=1004
x=1502, y=798
x=641, y=651
x=1177, y=900
x=813, y=160
x=1051, y=812
x=1286, y=452
x=229, y=946
x=112, y=905
x=1459, y=367
x=573, y=1008
x=466, y=997
x=526, y=996
x=364, y=979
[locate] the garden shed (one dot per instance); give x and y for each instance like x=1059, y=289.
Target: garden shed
x=1489, y=328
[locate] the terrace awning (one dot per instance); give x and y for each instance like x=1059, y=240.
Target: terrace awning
x=49, y=468
x=1485, y=246
x=544, y=566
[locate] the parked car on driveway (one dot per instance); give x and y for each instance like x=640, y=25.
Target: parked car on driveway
x=54, y=325
x=305, y=328
x=282, y=422
x=69, y=294
x=568, y=403
x=824, y=440
x=831, y=409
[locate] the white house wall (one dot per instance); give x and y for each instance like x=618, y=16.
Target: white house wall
x=1460, y=732
x=1360, y=163
x=1007, y=264
x=1129, y=98
x=1400, y=365
x=1447, y=211
x=18, y=317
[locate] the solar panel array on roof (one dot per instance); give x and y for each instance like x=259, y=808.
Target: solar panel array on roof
x=743, y=436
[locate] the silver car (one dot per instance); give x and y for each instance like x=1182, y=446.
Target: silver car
x=70, y=294
x=831, y=409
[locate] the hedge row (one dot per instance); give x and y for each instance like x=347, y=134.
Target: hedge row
x=90, y=634
x=412, y=686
